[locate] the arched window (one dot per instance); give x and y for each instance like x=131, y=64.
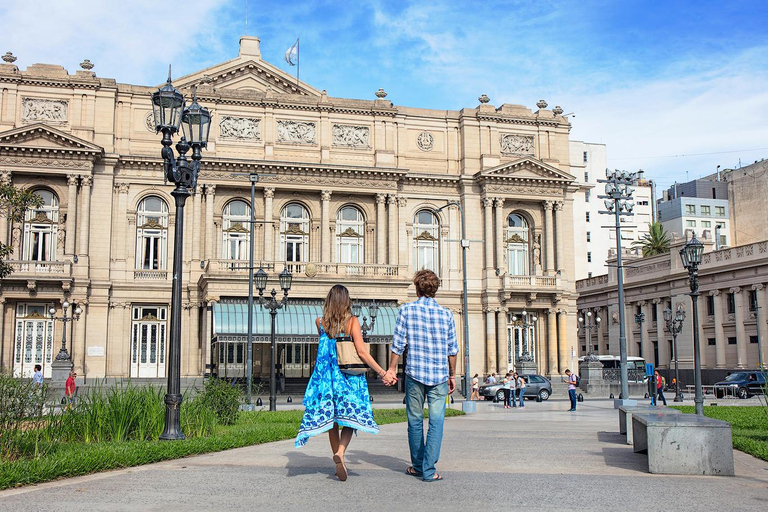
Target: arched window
x=40, y=229
x=294, y=233
x=350, y=229
x=426, y=241
x=236, y=230
x=517, y=245
x=151, y=234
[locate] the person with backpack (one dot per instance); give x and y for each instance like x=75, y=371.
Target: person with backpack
x=573, y=383
x=659, y=388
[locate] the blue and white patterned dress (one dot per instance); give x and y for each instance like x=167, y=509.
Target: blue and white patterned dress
x=334, y=397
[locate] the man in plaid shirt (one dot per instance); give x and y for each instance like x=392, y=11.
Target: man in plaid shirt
x=429, y=331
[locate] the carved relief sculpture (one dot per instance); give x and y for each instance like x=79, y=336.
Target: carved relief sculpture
x=425, y=141
x=351, y=136
x=297, y=132
x=149, y=122
x=34, y=109
x=243, y=128
x=516, y=144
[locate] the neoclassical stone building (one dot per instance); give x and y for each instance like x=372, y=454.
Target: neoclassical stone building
x=350, y=192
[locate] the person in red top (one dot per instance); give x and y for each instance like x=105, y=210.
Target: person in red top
x=69, y=389
x=659, y=388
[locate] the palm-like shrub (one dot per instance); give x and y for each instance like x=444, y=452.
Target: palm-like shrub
x=656, y=241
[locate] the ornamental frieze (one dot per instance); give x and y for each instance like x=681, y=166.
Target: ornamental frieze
x=296, y=132
x=45, y=162
x=516, y=144
x=37, y=109
x=524, y=189
x=351, y=136
x=241, y=128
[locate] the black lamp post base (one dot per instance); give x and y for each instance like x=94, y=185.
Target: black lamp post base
x=172, y=431
x=678, y=398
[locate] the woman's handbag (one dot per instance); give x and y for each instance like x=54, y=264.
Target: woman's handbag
x=346, y=355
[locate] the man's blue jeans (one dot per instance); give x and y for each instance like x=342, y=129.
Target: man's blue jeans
x=521, y=392
x=572, y=396
x=424, y=455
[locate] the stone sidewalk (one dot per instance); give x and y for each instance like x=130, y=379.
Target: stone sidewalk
x=539, y=458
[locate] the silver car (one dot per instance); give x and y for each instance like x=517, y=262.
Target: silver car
x=537, y=385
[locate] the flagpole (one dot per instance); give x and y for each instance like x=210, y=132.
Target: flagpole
x=298, y=63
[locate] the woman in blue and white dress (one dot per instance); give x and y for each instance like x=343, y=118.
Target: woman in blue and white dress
x=334, y=399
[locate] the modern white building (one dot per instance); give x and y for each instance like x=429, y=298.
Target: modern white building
x=594, y=240
x=699, y=206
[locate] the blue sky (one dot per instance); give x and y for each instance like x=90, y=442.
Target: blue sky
x=674, y=87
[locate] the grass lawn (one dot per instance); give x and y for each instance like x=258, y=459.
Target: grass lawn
x=74, y=459
x=749, y=426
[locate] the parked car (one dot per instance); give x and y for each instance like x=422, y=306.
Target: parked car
x=537, y=385
x=741, y=384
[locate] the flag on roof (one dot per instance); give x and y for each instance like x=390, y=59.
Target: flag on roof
x=292, y=54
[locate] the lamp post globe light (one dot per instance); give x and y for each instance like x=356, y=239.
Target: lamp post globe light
x=691, y=255
x=618, y=202
x=526, y=321
x=171, y=113
x=674, y=326
x=285, y=278
x=590, y=322
x=63, y=355
x=373, y=310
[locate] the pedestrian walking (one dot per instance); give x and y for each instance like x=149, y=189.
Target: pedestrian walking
x=475, y=388
x=659, y=388
x=429, y=332
x=37, y=377
x=69, y=389
x=334, y=399
x=572, y=383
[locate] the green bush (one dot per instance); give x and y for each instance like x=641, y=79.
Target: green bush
x=22, y=408
x=222, y=398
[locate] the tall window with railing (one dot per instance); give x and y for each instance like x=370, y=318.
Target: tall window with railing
x=40, y=229
x=426, y=241
x=516, y=240
x=151, y=234
x=236, y=230
x=294, y=234
x=350, y=235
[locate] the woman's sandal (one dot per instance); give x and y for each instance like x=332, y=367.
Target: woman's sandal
x=341, y=468
x=410, y=470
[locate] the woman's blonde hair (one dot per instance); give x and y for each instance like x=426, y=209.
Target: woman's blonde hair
x=337, y=311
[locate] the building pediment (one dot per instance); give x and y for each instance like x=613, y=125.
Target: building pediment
x=40, y=137
x=525, y=169
x=247, y=73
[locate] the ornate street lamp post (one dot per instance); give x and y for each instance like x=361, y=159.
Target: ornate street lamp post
x=526, y=321
x=170, y=113
x=675, y=325
x=591, y=322
x=639, y=319
x=618, y=202
x=63, y=355
x=373, y=310
x=691, y=255
x=273, y=305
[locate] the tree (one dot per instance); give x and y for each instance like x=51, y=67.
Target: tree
x=656, y=241
x=13, y=204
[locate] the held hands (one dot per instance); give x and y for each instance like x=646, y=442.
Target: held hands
x=389, y=378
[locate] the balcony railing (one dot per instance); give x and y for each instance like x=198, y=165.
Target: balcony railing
x=41, y=268
x=528, y=282
x=310, y=269
x=151, y=275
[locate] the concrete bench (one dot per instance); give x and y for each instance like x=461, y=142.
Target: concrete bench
x=626, y=412
x=684, y=444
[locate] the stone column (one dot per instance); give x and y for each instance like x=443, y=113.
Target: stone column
x=488, y=235
x=498, y=204
x=122, y=221
x=702, y=339
x=85, y=214
x=562, y=341
x=629, y=316
x=501, y=342
x=210, y=194
x=762, y=312
x=197, y=202
x=490, y=339
x=325, y=226
x=5, y=179
x=600, y=338
x=392, y=224
x=549, y=249
x=742, y=339
x=647, y=347
x=69, y=243
x=559, y=232
x=720, y=340
x=661, y=334
x=402, y=235
x=269, y=228
x=552, y=342
x=381, y=230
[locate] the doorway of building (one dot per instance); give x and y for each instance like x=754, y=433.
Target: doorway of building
x=33, y=340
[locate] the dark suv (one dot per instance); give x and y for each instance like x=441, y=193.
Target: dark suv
x=741, y=384
x=536, y=385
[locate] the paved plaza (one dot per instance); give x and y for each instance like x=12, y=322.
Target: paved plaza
x=539, y=458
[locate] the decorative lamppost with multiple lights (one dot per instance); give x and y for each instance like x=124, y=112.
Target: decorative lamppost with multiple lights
x=639, y=319
x=618, y=202
x=674, y=326
x=171, y=113
x=691, y=255
x=526, y=321
x=589, y=323
x=63, y=355
x=273, y=305
x=373, y=310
